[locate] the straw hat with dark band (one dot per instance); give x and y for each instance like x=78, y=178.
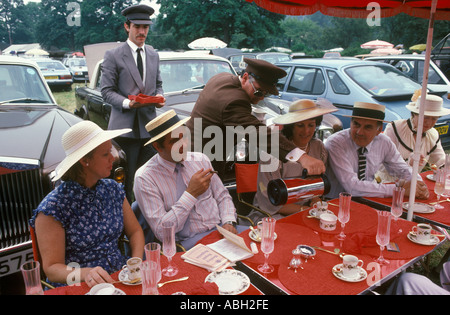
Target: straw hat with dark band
x=370, y=111
x=163, y=124
x=79, y=140
x=303, y=110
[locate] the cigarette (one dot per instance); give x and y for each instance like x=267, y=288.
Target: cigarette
x=214, y=172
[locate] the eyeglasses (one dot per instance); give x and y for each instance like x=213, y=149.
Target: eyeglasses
x=258, y=92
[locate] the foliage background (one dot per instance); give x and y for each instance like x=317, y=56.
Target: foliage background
x=236, y=22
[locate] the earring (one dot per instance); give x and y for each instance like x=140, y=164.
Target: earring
x=87, y=164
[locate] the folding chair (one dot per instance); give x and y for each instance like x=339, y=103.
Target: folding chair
x=246, y=188
x=37, y=257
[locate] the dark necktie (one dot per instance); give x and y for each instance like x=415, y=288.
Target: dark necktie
x=140, y=65
x=362, y=163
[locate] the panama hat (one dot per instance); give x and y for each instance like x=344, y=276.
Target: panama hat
x=163, y=124
x=79, y=140
x=433, y=106
x=370, y=111
x=303, y=110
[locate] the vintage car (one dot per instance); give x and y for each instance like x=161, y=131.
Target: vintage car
x=184, y=76
x=31, y=128
x=344, y=81
x=56, y=75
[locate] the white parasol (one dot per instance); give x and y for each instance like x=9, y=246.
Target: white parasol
x=207, y=43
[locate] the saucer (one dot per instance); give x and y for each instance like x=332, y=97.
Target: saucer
x=313, y=213
x=420, y=207
x=433, y=239
x=229, y=281
x=337, y=272
x=252, y=235
x=123, y=277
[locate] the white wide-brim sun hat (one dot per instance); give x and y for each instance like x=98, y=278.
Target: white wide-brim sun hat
x=433, y=106
x=79, y=140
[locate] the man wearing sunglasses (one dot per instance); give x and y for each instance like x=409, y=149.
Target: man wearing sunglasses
x=226, y=103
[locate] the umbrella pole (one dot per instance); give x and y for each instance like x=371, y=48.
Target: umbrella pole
x=416, y=155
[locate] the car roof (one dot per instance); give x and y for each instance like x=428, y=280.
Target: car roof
x=402, y=56
x=168, y=55
x=17, y=60
x=327, y=62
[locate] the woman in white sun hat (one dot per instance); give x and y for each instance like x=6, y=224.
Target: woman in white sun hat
x=403, y=133
x=79, y=223
x=299, y=126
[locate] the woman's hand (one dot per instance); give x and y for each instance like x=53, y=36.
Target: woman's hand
x=97, y=275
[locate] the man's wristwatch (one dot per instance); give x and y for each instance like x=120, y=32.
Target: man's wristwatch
x=231, y=223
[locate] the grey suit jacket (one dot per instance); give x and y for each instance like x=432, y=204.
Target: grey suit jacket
x=120, y=78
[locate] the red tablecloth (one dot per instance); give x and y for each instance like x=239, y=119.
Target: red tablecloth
x=440, y=215
x=195, y=285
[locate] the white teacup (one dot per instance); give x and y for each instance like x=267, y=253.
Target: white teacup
x=102, y=289
x=328, y=221
x=320, y=207
x=422, y=231
x=134, y=268
x=351, y=266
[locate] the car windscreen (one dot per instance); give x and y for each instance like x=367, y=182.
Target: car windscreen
x=382, y=81
x=22, y=82
x=51, y=65
x=77, y=62
x=178, y=75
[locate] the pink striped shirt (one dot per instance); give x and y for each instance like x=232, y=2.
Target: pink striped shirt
x=155, y=191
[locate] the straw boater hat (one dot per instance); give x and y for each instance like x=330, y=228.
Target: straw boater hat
x=79, y=140
x=303, y=110
x=370, y=111
x=433, y=106
x=163, y=124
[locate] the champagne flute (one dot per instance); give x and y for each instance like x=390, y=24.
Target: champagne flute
x=439, y=186
x=397, y=203
x=383, y=234
x=169, y=248
x=267, y=243
x=344, y=212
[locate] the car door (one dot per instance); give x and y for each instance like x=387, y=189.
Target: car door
x=304, y=82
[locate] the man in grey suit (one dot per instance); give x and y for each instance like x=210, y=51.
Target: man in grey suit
x=132, y=69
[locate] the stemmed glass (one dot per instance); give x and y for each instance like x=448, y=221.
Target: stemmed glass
x=383, y=234
x=397, y=203
x=267, y=243
x=439, y=186
x=169, y=248
x=344, y=212
x=153, y=253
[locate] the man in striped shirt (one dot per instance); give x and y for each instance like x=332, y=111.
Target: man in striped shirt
x=180, y=186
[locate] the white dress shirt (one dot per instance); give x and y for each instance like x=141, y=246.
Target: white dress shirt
x=134, y=47
x=155, y=191
x=343, y=165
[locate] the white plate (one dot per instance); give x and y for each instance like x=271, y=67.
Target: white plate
x=229, y=281
x=123, y=276
x=337, y=272
x=253, y=236
x=312, y=212
x=433, y=239
x=420, y=207
x=431, y=177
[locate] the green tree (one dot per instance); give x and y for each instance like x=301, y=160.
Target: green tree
x=235, y=22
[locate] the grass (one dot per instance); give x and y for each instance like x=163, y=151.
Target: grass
x=66, y=99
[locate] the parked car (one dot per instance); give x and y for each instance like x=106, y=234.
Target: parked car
x=78, y=68
x=31, y=129
x=345, y=81
x=184, y=76
x=441, y=55
x=412, y=66
x=56, y=75
x=237, y=60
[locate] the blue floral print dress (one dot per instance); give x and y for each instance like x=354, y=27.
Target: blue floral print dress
x=92, y=220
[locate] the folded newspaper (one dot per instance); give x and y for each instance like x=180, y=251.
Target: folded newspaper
x=219, y=255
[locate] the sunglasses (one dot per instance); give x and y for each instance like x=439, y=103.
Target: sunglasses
x=258, y=92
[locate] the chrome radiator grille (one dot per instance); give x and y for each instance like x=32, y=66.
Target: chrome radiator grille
x=20, y=193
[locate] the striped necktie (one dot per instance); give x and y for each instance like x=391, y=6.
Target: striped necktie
x=181, y=186
x=362, y=163
x=140, y=65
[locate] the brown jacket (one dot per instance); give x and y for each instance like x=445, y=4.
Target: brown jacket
x=224, y=103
